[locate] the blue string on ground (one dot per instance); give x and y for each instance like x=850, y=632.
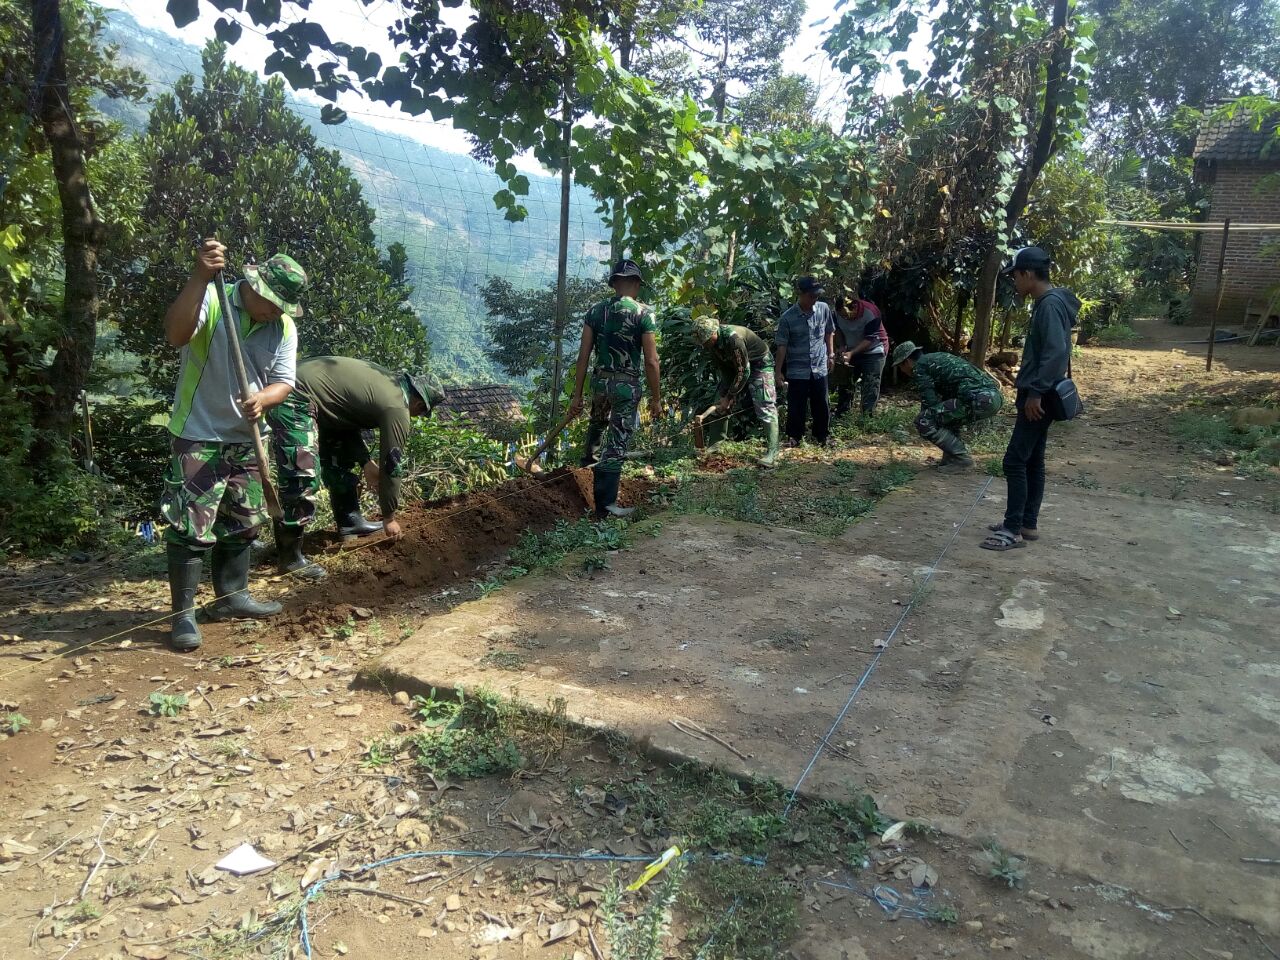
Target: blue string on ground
x=823, y=741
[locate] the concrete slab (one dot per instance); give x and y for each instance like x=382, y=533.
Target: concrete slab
x=1106, y=701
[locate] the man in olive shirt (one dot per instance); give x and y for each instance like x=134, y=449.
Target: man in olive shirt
x=744, y=363
x=321, y=425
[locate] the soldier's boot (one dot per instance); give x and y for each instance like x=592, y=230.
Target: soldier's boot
x=716, y=430
x=231, y=586
x=770, y=459
x=186, y=567
x=591, y=447
x=346, y=514
x=954, y=452
x=289, y=556
x=605, y=492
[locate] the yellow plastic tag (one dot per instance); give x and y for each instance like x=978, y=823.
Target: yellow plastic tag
x=655, y=868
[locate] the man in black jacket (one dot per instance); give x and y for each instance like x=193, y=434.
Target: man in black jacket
x=1046, y=356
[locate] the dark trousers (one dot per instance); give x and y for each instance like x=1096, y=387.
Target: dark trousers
x=810, y=394
x=868, y=372
x=1024, y=469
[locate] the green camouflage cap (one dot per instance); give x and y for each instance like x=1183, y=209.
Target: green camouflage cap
x=426, y=387
x=281, y=280
x=904, y=351
x=703, y=328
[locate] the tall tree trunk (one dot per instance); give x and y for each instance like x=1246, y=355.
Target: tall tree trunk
x=562, y=267
x=962, y=304
x=81, y=230
x=1046, y=142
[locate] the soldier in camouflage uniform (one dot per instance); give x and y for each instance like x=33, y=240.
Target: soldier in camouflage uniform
x=953, y=393
x=213, y=501
x=620, y=333
x=745, y=364
x=318, y=433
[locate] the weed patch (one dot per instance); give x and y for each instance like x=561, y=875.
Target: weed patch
x=1253, y=449
x=742, y=912
x=482, y=734
x=1116, y=335
x=775, y=499
x=166, y=704
x=890, y=477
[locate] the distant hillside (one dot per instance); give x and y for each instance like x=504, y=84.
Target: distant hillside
x=437, y=203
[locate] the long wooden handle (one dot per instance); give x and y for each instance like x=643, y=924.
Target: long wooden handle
x=242, y=377
x=542, y=447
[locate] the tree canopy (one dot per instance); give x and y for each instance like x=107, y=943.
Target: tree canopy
x=229, y=158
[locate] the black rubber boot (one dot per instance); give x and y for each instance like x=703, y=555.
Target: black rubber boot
x=605, y=490
x=186, y=567
x=289, y=556
x=346, y=514
x=231, y=586
x=954, y=452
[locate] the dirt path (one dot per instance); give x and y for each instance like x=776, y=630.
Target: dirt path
x=1113, y=717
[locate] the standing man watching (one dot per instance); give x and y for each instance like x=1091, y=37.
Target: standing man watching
x=745, y=365
x=864, y=344
x=621, y=333
x=213, y=499
x=953, y=394
x=805, y=343
x=317, y=433
x=1046, y=358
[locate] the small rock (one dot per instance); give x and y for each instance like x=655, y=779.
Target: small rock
x=973, y=926
x=402, y=699
x=453, y=902
x=349, y=710
x=363, y=613
x=1220, y=954
x=1037, y=896
x=156, y=903
x=426, y=934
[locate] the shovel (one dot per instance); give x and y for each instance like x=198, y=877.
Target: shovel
x=237, y=358
x=530, y=465
x=699, y=435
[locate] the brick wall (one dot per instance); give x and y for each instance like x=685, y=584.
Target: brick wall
x=1249, y=271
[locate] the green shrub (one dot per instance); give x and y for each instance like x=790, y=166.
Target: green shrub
x=1117, y=334
x=445, y=460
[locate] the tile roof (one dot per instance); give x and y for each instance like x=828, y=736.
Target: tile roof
x=1235, y=139
x=481, y=401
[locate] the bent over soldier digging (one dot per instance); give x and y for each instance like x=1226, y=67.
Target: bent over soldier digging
x=213, y=499
x=318, y=434
x=621, y=333
x=745, y=365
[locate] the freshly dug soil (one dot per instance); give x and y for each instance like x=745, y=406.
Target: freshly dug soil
x=444, y=542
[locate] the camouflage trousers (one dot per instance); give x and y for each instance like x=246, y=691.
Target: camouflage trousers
x=762, y=388
x=969, y=407
x=295, y=443
x=212, y=493
x=615, y=416
x=305, y=455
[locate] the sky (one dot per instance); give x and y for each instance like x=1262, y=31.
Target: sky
x=366, y=26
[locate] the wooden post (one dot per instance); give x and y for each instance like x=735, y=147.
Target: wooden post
x=562, y=269
x=1222, y=286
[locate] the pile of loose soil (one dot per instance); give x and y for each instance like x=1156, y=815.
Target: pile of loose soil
x=445, y=542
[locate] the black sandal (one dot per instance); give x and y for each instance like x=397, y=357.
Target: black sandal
x=1027, y=533
x=1003, y=539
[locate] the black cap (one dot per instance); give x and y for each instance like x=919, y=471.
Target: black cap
x=625, y=268
x=809, y=285
x=1028, y=258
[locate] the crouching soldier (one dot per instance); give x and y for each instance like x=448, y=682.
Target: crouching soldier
x=953, y=394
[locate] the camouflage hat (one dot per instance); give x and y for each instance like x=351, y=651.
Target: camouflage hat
x=281, y=280
x=703, y=328
x=426, y=387
x=904, y=351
